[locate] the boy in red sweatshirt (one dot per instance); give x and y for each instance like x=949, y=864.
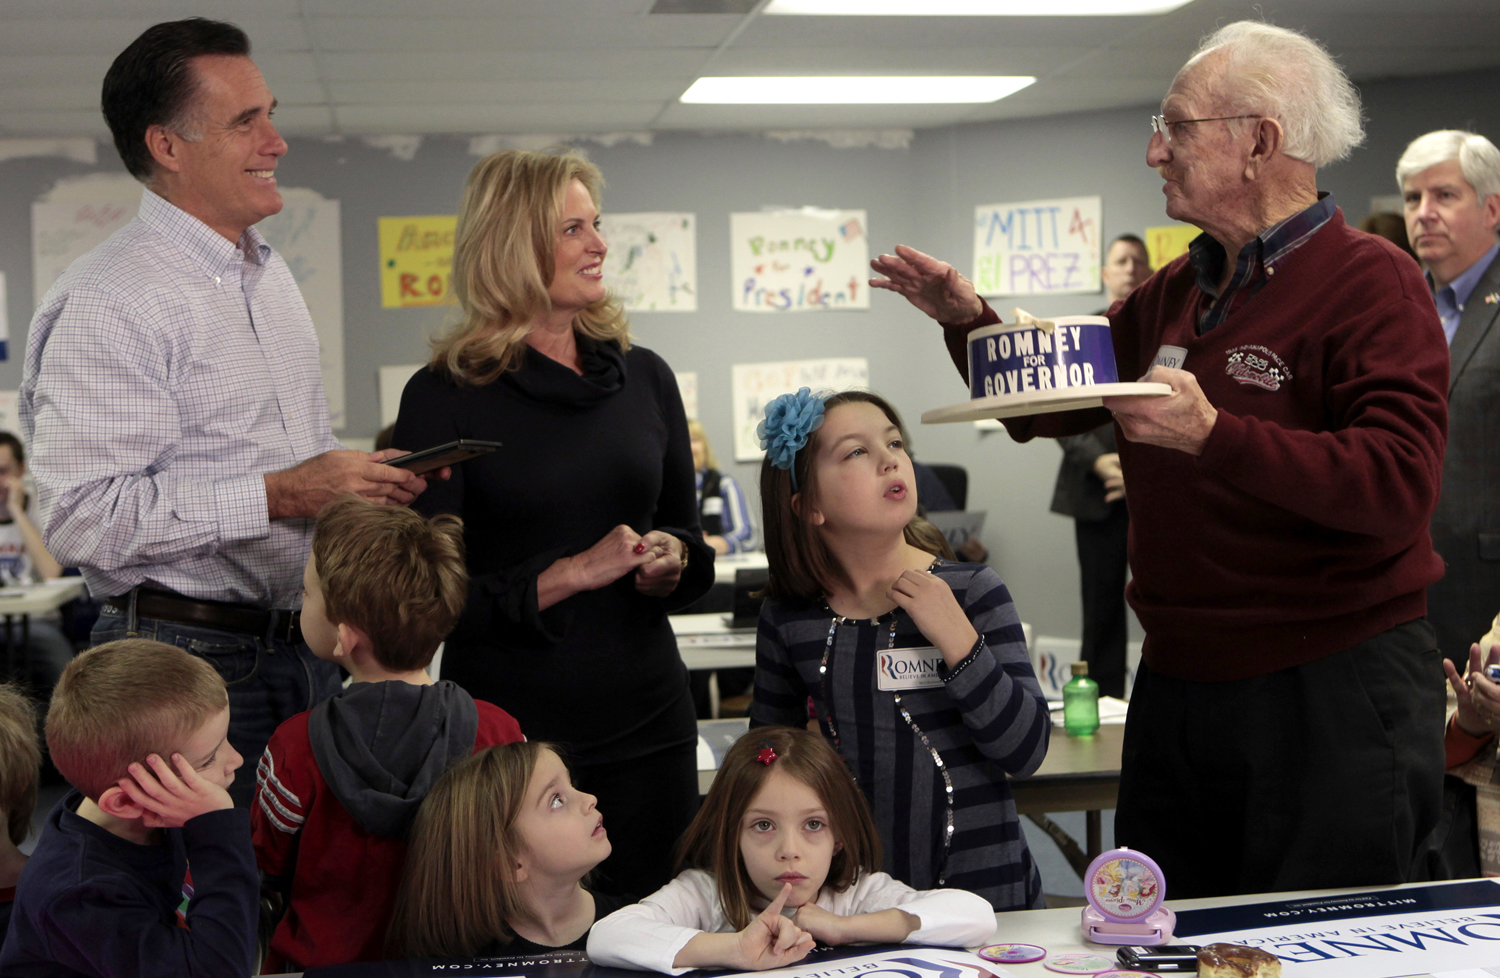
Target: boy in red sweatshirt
x=338, y=786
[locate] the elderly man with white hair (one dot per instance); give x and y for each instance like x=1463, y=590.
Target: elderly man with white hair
x=1450, y=181
x=1285, y=728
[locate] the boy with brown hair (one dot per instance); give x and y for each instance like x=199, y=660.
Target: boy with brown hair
x=20, y=763
x=139, y=728
x=339, y=785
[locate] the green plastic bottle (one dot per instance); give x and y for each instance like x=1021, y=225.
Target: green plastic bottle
x=1081, y=703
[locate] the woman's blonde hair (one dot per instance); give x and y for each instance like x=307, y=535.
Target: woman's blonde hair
x=458, y=892
x=504, y=258
x=696, y=430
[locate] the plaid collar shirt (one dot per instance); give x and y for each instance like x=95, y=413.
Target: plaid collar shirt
x=166, y=372
x=1255, y=265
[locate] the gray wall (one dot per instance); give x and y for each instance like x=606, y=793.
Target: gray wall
x=923, y=195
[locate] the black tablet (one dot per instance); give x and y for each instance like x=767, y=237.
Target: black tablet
x=432, y=459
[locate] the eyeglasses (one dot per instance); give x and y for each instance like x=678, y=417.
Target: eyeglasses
x=1161, y=125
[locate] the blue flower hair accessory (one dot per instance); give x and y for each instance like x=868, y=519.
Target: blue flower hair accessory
x=789, y=420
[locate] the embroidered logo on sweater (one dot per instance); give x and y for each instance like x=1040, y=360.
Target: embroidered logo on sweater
x=1257, y=366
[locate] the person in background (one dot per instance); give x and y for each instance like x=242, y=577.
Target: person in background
x=1286, y=723
x=20, y=766
x=721, y=503
x=171, y=395
x=582, y=533
x=1450, y=182
x=24, y=560
x=1091, y=489
x=1473, y=769
x=1391, y=227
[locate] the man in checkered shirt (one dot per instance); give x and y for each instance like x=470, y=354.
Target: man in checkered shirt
x=172, y=397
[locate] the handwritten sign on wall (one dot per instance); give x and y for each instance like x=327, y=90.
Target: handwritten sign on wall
x=754, y=385
x=74, y=218
x=1168, y=242
x=806, y=260
x=653, y=261
x=416, y=260
x=1037, y=247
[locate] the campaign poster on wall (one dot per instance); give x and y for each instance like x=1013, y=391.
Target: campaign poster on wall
x=416, y=260
x=1167, y=242
x=1038, y=247
x=807, y=260
x=652, y=264
x=754, y=385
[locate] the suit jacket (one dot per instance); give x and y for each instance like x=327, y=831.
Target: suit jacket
x=1079, y=491
x=1466, y=524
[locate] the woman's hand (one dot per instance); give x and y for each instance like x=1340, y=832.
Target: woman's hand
x=771, y=941
x=930, y=602
x=1478, y=696
x=659, y=576
x=616, y=555
x=720, y=544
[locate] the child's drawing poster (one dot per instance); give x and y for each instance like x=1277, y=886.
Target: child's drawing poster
x=754, y=385
x=1037, y=247
x=806, y=260
x=653, y=261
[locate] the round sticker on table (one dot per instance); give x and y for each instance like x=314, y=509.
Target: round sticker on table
x=1079, y=964
x=1128, y=974
x=1012, y=953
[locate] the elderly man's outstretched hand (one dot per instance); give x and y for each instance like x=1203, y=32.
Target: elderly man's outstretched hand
x=1182, y=419
x=933, y=286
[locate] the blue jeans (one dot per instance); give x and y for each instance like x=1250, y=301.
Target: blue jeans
x=269, y=680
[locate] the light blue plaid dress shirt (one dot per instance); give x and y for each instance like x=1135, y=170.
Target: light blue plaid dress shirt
x=166, y=372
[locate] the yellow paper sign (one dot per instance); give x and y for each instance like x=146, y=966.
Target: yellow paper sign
x=416, y=260
x=1169, y=241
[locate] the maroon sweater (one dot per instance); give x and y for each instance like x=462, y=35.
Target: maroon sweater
x=1302, y=528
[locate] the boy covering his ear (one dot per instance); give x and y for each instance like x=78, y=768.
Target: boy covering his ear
x=139, y=728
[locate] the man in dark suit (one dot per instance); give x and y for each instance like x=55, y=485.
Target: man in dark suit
x=1091, y=489
x=1451, y=184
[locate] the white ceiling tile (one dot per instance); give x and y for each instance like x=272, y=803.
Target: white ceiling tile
x=510, y=91
x=601, y=66
x=534, y=117
x=499, y=33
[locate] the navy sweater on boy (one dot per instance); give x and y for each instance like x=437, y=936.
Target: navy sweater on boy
x=92, y=903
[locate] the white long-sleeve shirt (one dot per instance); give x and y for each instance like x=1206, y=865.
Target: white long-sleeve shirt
x=167, y=371
x=648, y=935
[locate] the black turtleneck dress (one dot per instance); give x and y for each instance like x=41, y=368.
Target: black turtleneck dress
x=598, y=672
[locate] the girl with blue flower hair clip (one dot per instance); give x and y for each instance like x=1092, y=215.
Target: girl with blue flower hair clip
x=916, y=666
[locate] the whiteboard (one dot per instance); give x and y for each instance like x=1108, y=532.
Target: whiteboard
x=754, y=385
x=653, y=261
x=79, y=213
x=806, y=260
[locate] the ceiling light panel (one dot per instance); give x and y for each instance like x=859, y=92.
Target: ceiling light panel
x=854, y=90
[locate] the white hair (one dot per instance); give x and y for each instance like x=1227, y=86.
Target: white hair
x=1287, y=76
x=1478, y=159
